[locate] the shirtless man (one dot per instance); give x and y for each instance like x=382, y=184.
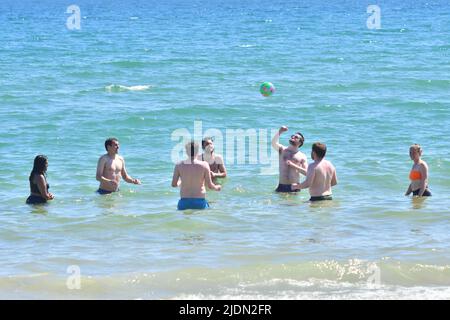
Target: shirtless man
x=111, y=167
x=215, y=161
x=292, y=162
x=321, y=175
x=191, y=175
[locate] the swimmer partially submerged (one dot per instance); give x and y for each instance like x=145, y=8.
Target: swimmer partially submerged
x=191, y=175
x=418, y=174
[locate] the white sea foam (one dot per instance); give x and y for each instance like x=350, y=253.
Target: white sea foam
x=121, y=88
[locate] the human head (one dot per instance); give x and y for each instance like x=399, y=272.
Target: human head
x=318, y=151
x=208, y=144
x=39, y=166
x=112, y=144
x=415, y=152
x=192, y=149
x=297, y=140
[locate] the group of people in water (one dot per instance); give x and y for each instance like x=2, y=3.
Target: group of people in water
x=191, y=175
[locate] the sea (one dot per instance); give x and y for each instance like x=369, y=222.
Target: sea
x=367, y=78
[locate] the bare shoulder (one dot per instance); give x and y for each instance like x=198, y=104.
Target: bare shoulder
x=103, y=159
x=40, y=178
x=329, y=164
x=219, y=159
x=178, y=164
x=424, y=164
x=204, y=164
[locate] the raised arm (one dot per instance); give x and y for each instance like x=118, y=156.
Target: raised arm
x=276, y=139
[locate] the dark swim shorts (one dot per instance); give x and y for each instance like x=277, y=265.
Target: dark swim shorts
x=32, y=199
x=103, y=191
x=321, y=198
x=285, y=188
x=426, y=193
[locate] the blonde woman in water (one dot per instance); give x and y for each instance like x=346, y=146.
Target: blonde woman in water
x=418, y=174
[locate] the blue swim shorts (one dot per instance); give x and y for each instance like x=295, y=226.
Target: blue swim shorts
x=192, y=203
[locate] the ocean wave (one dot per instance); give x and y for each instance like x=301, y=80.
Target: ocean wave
x=353, y=279
x=121, y=88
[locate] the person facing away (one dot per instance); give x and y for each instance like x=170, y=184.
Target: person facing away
x=292, y=162
x=38, y=182
x=320, y=176
x=111, y=167
x=418, y=174
x=191, y=175
x=215, y=161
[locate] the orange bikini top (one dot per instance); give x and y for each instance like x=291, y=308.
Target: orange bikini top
x=415, y=175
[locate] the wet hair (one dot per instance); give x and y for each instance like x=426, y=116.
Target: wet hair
x=109, y=142
x=320, y=149
x=205, y=139
x=39, y=166
x=192, y=149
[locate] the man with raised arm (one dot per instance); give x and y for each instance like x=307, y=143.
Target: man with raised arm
x=292, y=162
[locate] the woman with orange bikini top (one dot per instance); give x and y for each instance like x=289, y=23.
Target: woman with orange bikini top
x=418, y=174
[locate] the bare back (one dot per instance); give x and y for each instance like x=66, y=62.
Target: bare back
x=324, y=178
x=193, y=176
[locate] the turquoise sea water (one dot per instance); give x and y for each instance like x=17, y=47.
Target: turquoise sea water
x=139, y=70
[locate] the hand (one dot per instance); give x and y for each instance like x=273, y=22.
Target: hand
x=50, y=196
x=283, y=129
x=136, y=181
x=295, y=186
x=218, y=187
x=289, y=163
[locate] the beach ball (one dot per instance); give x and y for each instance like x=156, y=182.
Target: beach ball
x=267, y=89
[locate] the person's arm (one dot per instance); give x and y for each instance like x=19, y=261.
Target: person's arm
x=307, y=183
x=125, y=175
x=424, y=181
x=408, y=192
x=302, y=170
x=42, y=187
x=176, y=177
x=209, y=183
x=222, y=170
x=100, y=168
x=276, y=139
x=334, y=179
